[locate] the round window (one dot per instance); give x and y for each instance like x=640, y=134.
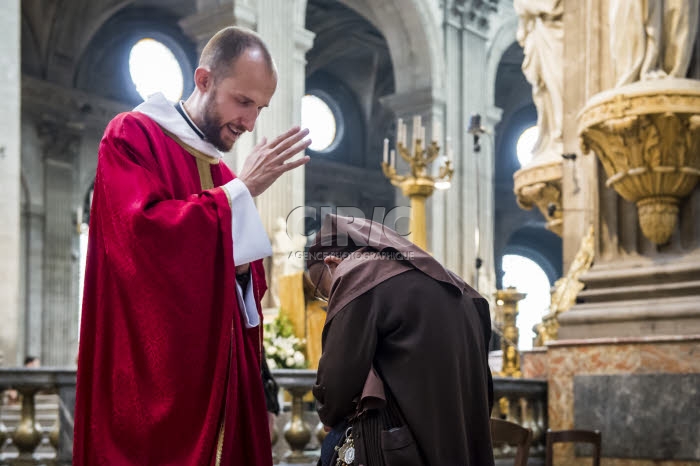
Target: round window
x=318, y=117
x=525, y=145
x=154, y=68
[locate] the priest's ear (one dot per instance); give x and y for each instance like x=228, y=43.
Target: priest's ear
x=203, y=79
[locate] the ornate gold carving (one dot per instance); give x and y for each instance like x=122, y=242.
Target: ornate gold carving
x=540, y=185
x=506, y=315
x=647, y=137
x=566, y=289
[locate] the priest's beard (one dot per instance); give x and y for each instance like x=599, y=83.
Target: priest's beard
x=212, y=126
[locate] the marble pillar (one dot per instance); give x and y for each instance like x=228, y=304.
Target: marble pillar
x=10, y=183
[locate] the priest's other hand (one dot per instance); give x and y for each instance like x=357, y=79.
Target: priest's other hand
x=269, y=160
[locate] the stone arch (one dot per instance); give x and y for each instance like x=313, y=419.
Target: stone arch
x=497, y=46
x=412, y=31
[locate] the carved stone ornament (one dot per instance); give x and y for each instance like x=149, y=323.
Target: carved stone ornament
x=540, y=185
x=647, y=137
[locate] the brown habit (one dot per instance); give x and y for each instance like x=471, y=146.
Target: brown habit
x=428, y=340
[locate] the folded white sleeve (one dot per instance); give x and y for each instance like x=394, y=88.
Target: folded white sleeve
x=250, y=241
x=246, y=302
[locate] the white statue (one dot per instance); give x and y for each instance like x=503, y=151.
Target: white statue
x=541, y=34
x=652, y=38
x=287, y=256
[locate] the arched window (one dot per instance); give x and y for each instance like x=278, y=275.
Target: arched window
x=317, y=115
x=527, y=277
x=154, y=68
x=526, y=142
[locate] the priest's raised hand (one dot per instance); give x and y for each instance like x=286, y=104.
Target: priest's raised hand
x=269, y=160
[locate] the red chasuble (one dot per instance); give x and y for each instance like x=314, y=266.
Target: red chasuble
x=167, y=374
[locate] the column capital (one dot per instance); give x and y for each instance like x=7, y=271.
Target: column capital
x=474, y=15
x=421, y=102
x=201, y=26
x=59, y=142
x=304, y=39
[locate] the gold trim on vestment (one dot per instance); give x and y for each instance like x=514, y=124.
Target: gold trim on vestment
x=206, y=181
x=203, y=161
x=220, y=444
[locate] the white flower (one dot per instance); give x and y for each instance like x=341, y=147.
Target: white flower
x=299, y=358
x=289, y=362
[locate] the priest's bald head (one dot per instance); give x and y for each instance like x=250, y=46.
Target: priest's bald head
x=236, y=78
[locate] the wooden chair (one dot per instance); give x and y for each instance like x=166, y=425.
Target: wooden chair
x=512, y=434
x=578, y=436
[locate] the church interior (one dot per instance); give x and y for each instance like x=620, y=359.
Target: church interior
x=560, y=181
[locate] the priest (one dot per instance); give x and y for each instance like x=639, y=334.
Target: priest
x=171, y=332
x=403, y=378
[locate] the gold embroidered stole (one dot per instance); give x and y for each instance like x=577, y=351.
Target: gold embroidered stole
x=204, y=163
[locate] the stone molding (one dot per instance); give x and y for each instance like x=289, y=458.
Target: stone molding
x=419, y=102
x=540, y=185
x=475, y=14
x=202, y=25
x=647, y=137
x=74, y=108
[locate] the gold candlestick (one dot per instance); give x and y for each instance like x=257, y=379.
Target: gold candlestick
x=418, y=185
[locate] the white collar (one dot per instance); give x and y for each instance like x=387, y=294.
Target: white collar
x=163, y=112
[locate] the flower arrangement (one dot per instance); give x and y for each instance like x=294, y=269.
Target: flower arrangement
x=283, y=350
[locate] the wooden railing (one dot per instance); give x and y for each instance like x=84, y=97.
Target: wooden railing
x=38, y=428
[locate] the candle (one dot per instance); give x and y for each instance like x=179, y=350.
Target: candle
x=400, y=132
x=436, y=131
x=392, y=159
x=385, y=152
x=415, y=134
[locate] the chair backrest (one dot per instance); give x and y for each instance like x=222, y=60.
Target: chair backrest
x=577, y=436
x=512, y=434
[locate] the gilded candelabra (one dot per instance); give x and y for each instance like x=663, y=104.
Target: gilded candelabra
x=506, y=316
x=418, y=185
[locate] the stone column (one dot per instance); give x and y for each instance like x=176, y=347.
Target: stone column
x=34, y=223
x=462, y=231
x=288, y=41
x=10, y=96
x=60, y=317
